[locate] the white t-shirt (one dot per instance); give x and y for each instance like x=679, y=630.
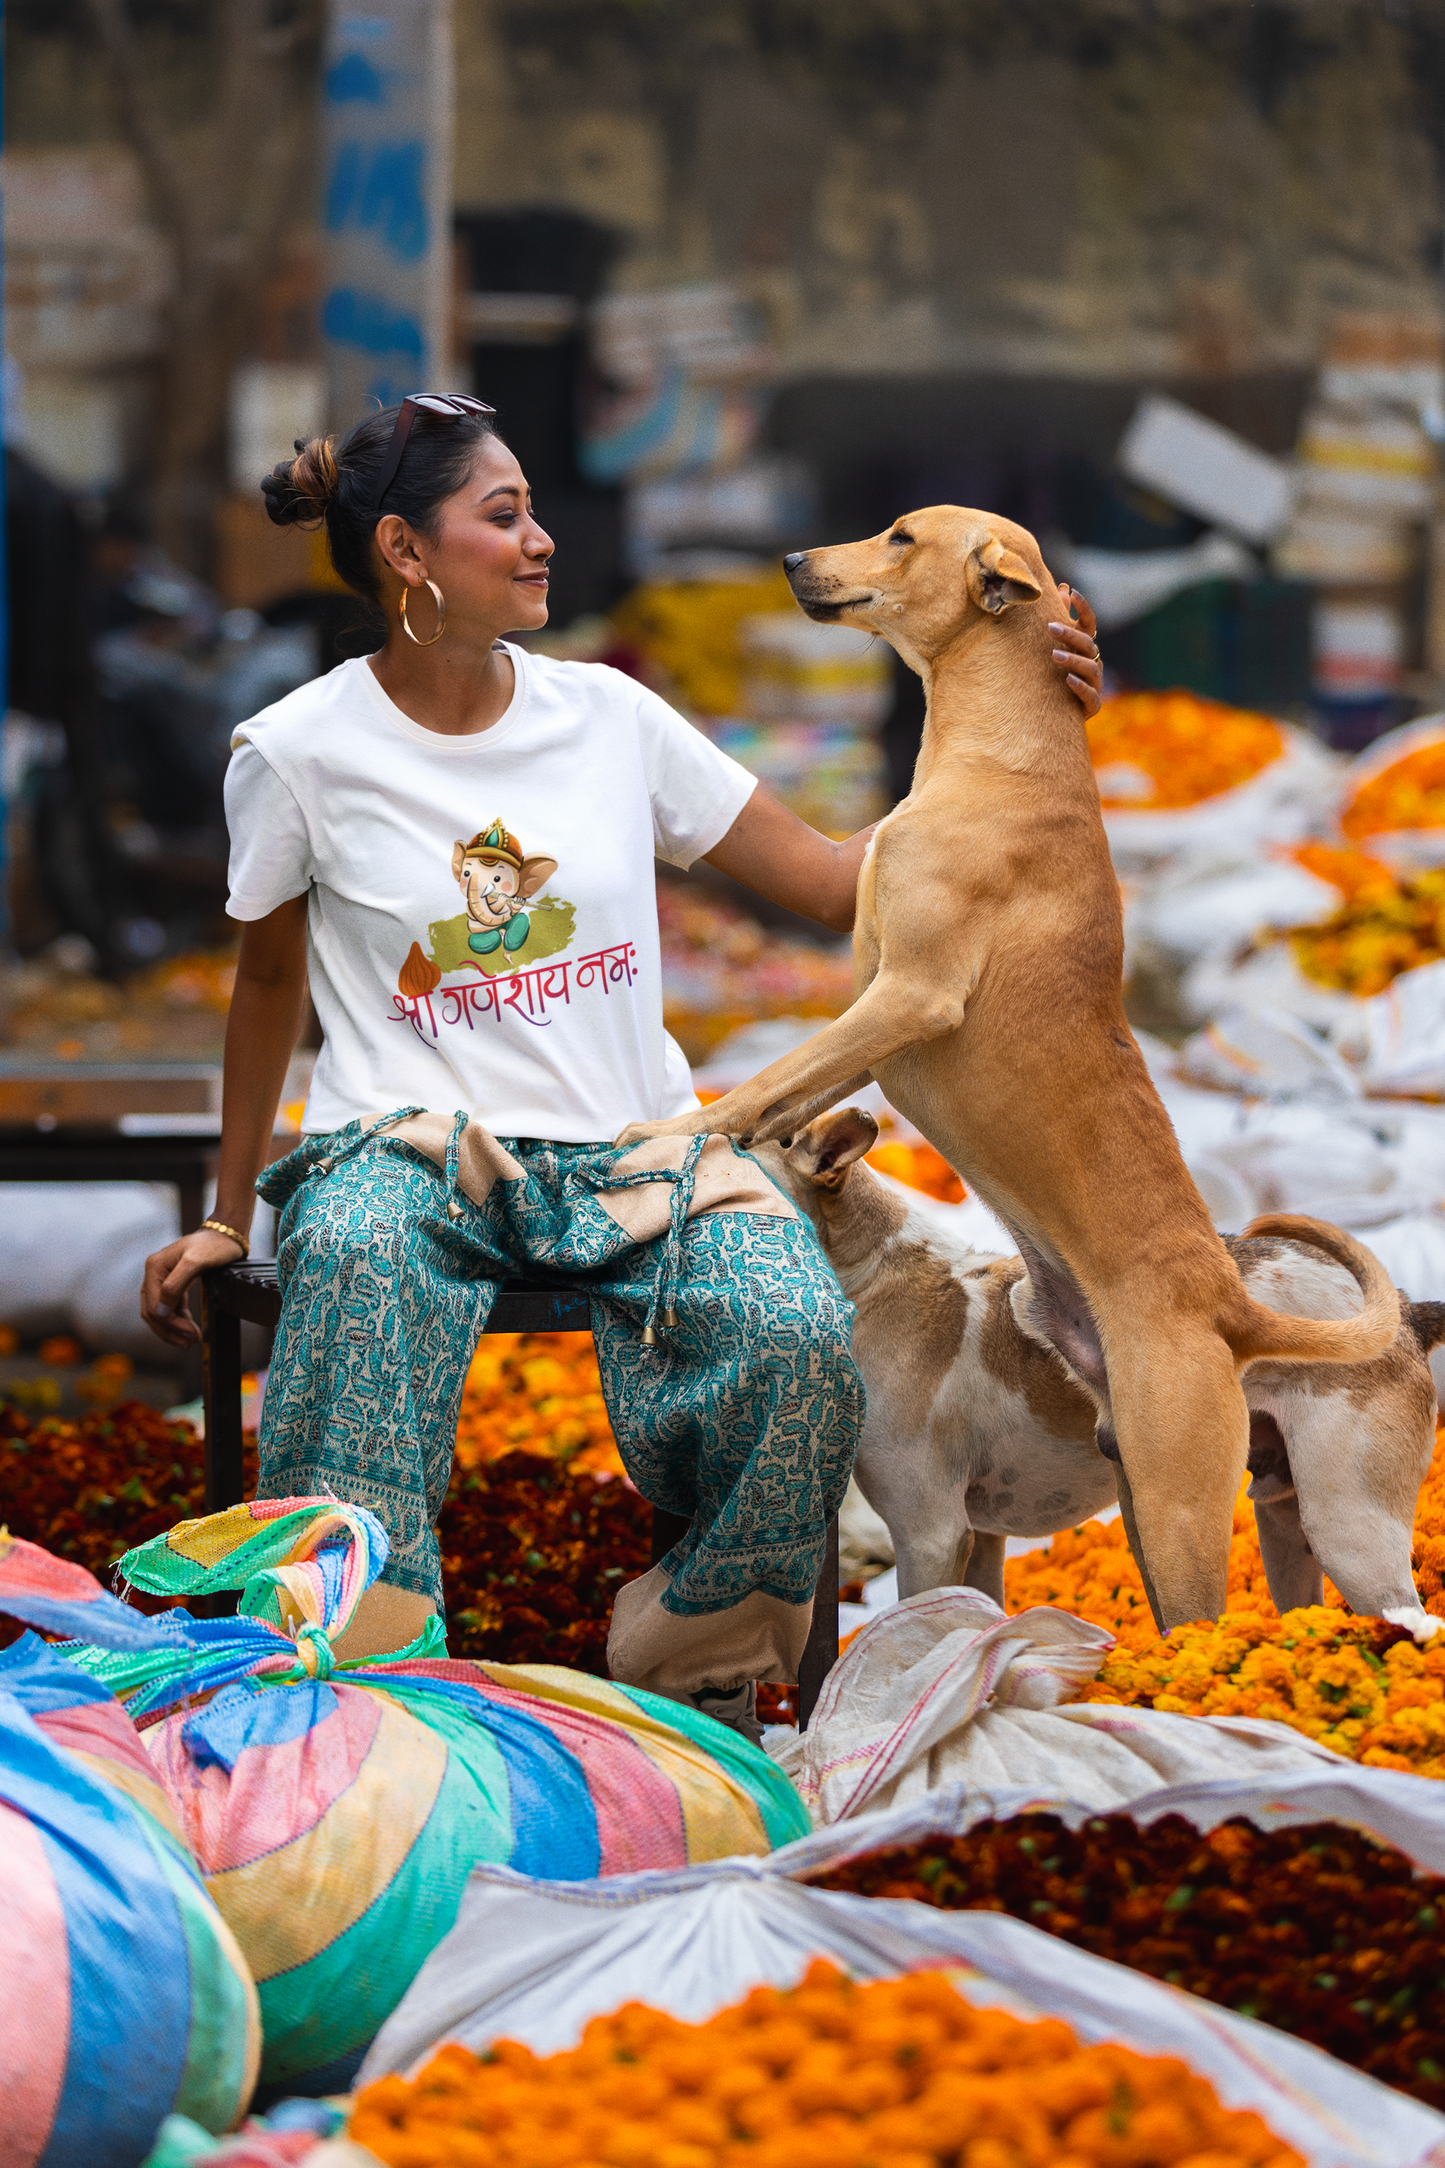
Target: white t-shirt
x=519, y=978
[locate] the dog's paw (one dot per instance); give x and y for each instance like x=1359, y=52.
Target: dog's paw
x=1414, y=1620
x=639, y=1132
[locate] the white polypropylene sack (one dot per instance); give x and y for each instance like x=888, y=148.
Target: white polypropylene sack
x=1395, y=1041
x=536, y=1961
x=1210, y=902
x=1268, y=1055
x=1284, y=803
x=947, y=1689
x=1123, y=585
x=1265, y=978
x=1361, y=1163
x=73, y=1257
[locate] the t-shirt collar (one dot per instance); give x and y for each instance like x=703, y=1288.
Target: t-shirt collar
x=437, y=741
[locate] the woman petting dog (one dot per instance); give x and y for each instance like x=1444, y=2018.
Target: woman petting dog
x=452, y=841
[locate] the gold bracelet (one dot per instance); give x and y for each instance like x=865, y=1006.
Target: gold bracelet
x=219, y=1227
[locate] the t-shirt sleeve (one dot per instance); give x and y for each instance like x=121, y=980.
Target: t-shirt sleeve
x=697, y=791
x=270, y=849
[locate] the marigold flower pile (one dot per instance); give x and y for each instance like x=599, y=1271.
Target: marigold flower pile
x=1410, y=793
x=1321, y=1931
x=1153, y=751
x=902, y=2072
x=687, y=633
x=533, y=1553
x=1383, y=926
x=536, y=1392
x=88, y=1490
x=1356, y=1684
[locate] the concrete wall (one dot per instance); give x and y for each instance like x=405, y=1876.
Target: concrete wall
x=1107, y=191
x=1103, y=189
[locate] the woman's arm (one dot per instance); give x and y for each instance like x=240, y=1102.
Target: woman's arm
x=772, y=852
x=260, y=1035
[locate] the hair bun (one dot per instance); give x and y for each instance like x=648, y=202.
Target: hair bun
x=300, y=492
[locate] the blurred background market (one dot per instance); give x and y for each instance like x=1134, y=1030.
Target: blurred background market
x=1164, y=282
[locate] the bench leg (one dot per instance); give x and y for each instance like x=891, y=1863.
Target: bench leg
x=221, y=1395
x=821, y=1651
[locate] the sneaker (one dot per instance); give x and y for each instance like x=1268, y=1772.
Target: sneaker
x=737, y=1709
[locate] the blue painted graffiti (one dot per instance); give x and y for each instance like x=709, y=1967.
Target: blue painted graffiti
x=372, y=323
x=353, y=80
x=381, y=190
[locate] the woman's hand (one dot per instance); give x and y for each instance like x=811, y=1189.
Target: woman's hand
x=169, y=1272
x=1077, y=653
x=261, y=1030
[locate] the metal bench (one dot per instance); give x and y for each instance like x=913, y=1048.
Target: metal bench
x=249, y=1292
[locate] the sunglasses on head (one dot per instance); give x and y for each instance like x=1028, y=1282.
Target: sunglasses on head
x=444, y=406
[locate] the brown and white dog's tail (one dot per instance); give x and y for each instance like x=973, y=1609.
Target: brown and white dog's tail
x=1256, y=1334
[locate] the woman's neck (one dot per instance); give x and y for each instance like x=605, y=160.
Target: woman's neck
x=458, y=688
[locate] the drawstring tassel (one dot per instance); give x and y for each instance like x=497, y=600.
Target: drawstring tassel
x=680, y=1203
x=364, y=1136
x=663, y=1309
x=454, y=1146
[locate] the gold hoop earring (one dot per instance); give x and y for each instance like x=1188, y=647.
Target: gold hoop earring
x=441, y=602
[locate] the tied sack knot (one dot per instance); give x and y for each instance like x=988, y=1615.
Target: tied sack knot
x=313, y=1647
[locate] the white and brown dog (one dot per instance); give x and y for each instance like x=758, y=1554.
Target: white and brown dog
x=977, y=1430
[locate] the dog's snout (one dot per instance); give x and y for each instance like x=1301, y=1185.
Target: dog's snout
x=793, y=559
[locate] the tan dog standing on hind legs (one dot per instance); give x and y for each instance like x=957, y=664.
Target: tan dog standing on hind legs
x=988, y=952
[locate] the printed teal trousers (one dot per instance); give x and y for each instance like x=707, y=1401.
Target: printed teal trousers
x=744, y=1419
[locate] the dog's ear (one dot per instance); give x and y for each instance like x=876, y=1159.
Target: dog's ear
x=824, y=1151
x=998, y=578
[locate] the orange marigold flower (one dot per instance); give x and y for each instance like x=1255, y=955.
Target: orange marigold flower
x=1156, y=750
x=831, y=2075
x=1355, y=1684
x=1410, y=793
x=537, y=1392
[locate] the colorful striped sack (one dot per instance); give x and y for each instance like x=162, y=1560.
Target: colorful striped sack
x=123, y=1996
x=338, y=1808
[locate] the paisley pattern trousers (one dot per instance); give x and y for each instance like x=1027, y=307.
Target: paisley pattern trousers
x=392, y=1244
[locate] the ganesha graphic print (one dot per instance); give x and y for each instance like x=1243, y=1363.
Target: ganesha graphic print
x=509, y=943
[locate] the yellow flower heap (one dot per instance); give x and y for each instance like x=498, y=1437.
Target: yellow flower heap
x=1355, y=1684
x=1383, y=926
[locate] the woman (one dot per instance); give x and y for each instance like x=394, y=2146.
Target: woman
x=454, y=840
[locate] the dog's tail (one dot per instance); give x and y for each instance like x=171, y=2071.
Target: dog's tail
x=1257, y=1334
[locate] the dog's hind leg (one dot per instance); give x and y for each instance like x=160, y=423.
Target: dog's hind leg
x=1183, y=1429
x=984, y=1570
x=1294, y=1574
x=936, y=1552
x=1357, y=1472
